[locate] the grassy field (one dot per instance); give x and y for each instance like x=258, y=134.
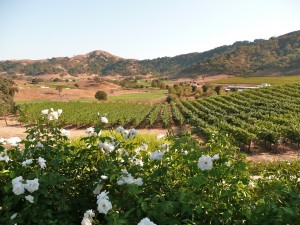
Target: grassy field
x=149, y=96
x=259, y=80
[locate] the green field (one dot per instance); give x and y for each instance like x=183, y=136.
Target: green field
x=259, y=80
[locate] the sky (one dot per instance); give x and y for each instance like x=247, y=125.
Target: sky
x=137, y=29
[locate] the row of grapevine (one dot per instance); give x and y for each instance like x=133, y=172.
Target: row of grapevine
x=80, y=114
x=268, y=115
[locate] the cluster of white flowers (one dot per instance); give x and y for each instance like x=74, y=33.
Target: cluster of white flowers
x=127, y=134
x=104, y=205
x=160, y=136
x=26, y=162
x=127, y=178
x=205, y=162
x=13, y=141
x=19, y=187
x=52, y=115
x=41, y=161
x=157, y=155
x=39, y=145
x=137, y=161
x=107, y=146
x=90, y=132
x=164, y=146
x=2, y=141
x=65, y=132
x=4, y=157
x=143, y=147
x=146, y=221
x=88, y=217
x=104, y=119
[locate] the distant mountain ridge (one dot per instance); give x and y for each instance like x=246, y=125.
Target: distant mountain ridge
x=276, y=55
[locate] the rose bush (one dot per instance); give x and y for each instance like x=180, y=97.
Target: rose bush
x=118, y=179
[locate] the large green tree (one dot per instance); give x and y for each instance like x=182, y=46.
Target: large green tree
x=7, y=92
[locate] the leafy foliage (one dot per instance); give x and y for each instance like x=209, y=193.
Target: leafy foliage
x=172, y=189
x=260, y=57
x=7, y=92
x=101, y=95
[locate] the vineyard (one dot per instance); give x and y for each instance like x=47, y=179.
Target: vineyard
x=269, y=115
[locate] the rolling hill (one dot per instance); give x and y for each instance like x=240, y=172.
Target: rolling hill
x=277, y=55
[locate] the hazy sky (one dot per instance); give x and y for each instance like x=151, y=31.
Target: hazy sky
x=140, y=29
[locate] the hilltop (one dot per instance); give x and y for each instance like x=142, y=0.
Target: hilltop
x=277, y=55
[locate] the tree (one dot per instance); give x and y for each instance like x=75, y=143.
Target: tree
x=101, y=95
x=218, y=89
x=7, y=92
x=59, y=88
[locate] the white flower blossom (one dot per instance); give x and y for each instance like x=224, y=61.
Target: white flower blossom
x=90, y=131
x=120, y=182
x=59, y=111
x=26, y=162
x=144, y=146
x=146, y=221
x=133, y=132
x=256, y=177
x=164, y=146
x=120, y=129
x=4, y=157
x=39, y=145
x=13, y=141
x=17, y=180
x=137, y=161
x=215, y=157
x=29, y=198
x=53, y=115
x=3, y=141
x=89, y=214
x=45, y=111
x=160, y=136
x=104, y=119
x=65, y=132
x=127, y=178
x=205, y=162
x=18, y=188
x=227, y=164
x=109, y=147
x=88, y=217
x=86, y=221
x=42, y=162
x=157, y=155
x=104, y=205
x=139, y=181
x=13, y=216
x=103, y=177
x=32, y=185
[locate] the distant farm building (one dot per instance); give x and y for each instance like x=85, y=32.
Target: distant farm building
x=242, y=88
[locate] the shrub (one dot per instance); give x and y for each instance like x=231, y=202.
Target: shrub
x=101, y=95
x=49, y=180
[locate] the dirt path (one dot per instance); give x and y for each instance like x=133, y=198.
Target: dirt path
x=13, y=129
